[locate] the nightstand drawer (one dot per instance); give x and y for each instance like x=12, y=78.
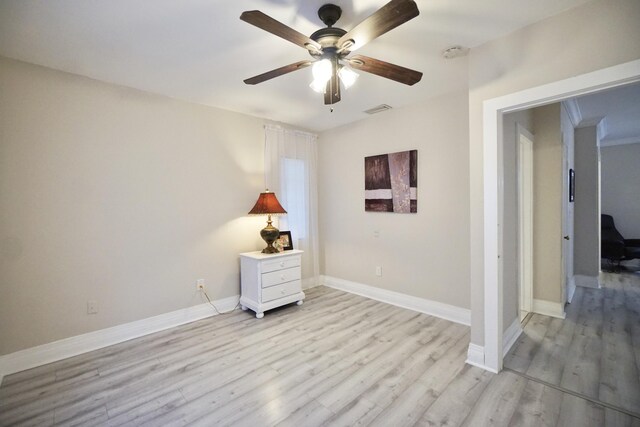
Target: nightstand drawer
x=289, y=262
x=281, y=291
x=280, y=276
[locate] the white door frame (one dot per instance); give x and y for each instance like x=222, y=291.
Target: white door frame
x=568, y=285
x=493, y=109
x=525, y=221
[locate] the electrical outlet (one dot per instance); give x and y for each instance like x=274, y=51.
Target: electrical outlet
x=92, y=307
x=200, y=284
x=378, y=271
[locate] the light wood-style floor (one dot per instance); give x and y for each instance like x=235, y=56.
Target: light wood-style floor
x=595, y=351
x=338, y=360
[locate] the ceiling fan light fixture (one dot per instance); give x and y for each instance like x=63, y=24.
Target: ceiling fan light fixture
x=347, y=76
x=322, y=70
x=318, y=86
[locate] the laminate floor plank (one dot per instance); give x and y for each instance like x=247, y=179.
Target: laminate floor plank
x=388, y=388
x=631, y=290
x=619, y=384
x=360, y=412
x=528, y=344
x=595, y=351
x=312, y=414
x=614, y=418
x=337, y=360
x=550, y=360
x=235, y=367
x=376, y=370
x=539, y=405
x=575, y=411
x=337, y=390
x=582, y=370
x=407, y=408
x=453, y=405
x=498, y=402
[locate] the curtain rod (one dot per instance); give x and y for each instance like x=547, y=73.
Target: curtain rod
x=272, y=126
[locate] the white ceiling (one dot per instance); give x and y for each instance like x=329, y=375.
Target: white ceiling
x=620, y=107
x=200, y=51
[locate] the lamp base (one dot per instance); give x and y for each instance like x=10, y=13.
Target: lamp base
x=269, y=234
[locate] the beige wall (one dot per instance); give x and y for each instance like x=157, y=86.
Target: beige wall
x=587, y=38
x=587, y=213
x=510, y=220
x=425, y=254
x=547, y=204
x=620, y=178
x=119, y=196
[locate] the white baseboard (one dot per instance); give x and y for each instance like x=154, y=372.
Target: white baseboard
x=73, y=346
x=510, y=336
x=433, y=308
x=587, y=281
x=549, y=308
x=475, y=357
x=571, y=289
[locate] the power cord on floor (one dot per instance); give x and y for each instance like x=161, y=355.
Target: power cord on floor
x=216, y=308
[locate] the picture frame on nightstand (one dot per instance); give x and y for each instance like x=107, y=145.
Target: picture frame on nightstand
x=285, y=240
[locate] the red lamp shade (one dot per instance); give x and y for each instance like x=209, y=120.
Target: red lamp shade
x=268, y=204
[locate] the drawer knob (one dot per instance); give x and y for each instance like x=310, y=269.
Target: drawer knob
x=282, y=264
x=282, y=292
x=283, y=277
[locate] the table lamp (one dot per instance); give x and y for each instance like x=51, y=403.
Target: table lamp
x=268, y=204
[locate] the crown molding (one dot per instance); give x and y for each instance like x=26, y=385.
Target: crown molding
x=573, y=110
x=619, y=141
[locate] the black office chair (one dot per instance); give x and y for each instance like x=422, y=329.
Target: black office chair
x=614, y=247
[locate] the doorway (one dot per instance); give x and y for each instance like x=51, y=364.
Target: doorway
x=492, y=112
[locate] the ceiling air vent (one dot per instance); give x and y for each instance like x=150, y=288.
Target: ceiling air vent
x=379, y=109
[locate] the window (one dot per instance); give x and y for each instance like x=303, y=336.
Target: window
x=293, y=183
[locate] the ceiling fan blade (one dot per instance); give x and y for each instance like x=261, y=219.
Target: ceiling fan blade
x=267, y=23
x=277, y=72
x=388, y=17
x=384, y=69
x=332, y=91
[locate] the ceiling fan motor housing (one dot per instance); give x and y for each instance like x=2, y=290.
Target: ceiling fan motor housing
x=328, y=39
x=329, y=14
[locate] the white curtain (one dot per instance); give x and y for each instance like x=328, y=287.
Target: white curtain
x=290, y=172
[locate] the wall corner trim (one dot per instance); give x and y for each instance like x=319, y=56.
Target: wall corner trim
x=511, y=335
x=573, y=110
x=73, y=346
x=571, y=289
x=549, y=308
x=475, y=357
x=433, y=308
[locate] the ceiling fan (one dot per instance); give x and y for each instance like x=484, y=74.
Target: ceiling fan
x=329, y=47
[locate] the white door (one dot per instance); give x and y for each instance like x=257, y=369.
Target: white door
x=525, y=221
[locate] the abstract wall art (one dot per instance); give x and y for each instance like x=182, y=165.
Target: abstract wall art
x=391, y=182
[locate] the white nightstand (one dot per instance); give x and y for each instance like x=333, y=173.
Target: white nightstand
x=270, y=280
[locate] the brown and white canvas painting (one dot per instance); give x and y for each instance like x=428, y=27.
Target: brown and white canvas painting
x=391, y=182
